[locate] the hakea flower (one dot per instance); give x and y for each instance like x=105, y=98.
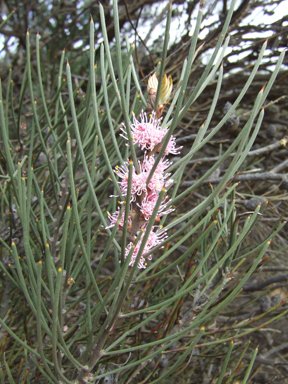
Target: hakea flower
x=138, y=185
x=165, y=93
x=139, y=181
x=148, y=204
x=159, y=179
x=154, y=238
x=114, y=218
x=148, y=134
x=149, y=161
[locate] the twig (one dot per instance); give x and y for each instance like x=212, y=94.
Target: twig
x=269, y=269
x=266, y=106
x=193, y=136
x=279, y=167
x=262, y=360
x=263, y=284
x=96, y=355
x=135, y=29
x=256, y=152
x=248, y=177
x=276, y=349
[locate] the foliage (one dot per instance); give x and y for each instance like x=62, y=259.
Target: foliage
x=73, y=310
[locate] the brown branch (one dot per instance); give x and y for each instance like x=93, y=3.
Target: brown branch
x=280, y=167
x=140, y=38
x=264, y=284
x=250, y=177
x=270, y=269
x=256, y=152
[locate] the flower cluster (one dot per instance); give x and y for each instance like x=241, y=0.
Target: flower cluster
x=154, y=238
x=139, y=180
x=149, y=136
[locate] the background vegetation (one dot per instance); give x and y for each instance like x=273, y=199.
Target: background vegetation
x=211, y=307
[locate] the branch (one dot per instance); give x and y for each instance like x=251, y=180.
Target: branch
x=256, y=152
x=142, y=41
x=250, y=177
x=263, y=284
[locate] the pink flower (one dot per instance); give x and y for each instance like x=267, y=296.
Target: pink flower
x=115, y=216
x=123, y=173
x=154, y=238
x=141, y=262
x=158, y=180
x=139, y=181
x=148, y=204
x=149, y=161
x=147, y=134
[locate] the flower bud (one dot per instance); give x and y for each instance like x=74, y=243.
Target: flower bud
x=165, y=93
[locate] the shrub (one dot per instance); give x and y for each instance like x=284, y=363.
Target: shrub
x=75, y=306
